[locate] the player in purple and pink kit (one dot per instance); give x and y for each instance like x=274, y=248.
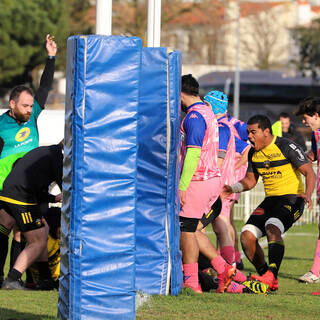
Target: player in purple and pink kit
x=309, y=109
x=227, y=160
x=242, y=150
x=200, y=185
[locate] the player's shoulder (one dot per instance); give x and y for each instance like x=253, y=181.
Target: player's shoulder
x=194, y=115
x=291, y=150
x=3, y=116
x=286, y=145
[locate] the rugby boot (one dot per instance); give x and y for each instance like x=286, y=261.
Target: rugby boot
x=309, y=277
x=257, y=287
x=267, y=278
x=9, y=284
x=225, y=278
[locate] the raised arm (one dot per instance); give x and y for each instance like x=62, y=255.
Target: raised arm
x=48, y=72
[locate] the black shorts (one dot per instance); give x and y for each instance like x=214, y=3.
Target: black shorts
x=213, y=213
x=27, y=217
x=288, y=209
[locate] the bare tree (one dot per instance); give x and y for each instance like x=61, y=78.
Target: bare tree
x=261, y=42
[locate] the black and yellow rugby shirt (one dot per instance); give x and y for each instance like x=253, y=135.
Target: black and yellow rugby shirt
x=278, y=165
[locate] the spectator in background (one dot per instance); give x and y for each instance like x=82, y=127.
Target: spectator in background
x=19, y=131
x=284, y=128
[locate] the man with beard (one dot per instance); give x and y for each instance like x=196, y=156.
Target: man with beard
x=18, y=126
x=19, y=132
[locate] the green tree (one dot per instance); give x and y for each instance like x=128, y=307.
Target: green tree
x=23, y=27
x=81, y=20
x=307, y=41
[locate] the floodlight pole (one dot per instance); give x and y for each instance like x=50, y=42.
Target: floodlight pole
x=104, y=17
x=236, y=89
x=154, y=23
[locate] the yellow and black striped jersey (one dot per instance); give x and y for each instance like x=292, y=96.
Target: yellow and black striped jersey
x=278, y=165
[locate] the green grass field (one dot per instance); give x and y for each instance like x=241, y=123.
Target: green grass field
x=292, y=301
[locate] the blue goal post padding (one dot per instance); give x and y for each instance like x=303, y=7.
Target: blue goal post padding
x=157, y=222
x=120, y=209
x=101, y=240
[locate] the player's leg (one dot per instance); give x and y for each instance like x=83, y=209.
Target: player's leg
x=252, y=231
x=221, y=226
x=28, y=220
x=199, y=199
x=190, y=252
x=6, y=224
x=283, y=211
x=16, y=246
x=225, y=272
x=234, y=236
x=313, y=276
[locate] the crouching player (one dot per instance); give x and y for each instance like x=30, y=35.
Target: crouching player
x=23, y=190
x=279, y=162
x=53, y=219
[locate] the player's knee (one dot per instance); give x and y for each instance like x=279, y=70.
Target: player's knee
x=274, y=229
x=6, y=220
x=249, y=235
x=188, y=224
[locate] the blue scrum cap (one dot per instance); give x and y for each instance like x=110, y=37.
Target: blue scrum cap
x=218, y=101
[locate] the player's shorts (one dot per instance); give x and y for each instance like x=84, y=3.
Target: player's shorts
x=200, y=196
x=28, y=217
x=281, y=211
x=226, y=207
x=214, y=212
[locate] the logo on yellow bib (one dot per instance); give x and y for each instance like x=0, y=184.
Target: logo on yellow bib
x=22, y=134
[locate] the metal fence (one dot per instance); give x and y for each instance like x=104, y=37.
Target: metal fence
x=249, y=200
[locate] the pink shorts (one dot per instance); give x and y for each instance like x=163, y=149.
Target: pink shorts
x=226, y=206
x=200, y=197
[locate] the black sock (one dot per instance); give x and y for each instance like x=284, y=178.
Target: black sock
x=15, y=251
x=14, y=275
x=263, y=269
x=276, y=252
x=44, y=271
x=4, y=232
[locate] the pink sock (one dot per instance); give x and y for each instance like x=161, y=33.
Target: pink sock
x=238, y=256
x=235, y=287
x=228, y=254
x=239, y=277
x=190, y=277
x=316, y=262
x=218, y=264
